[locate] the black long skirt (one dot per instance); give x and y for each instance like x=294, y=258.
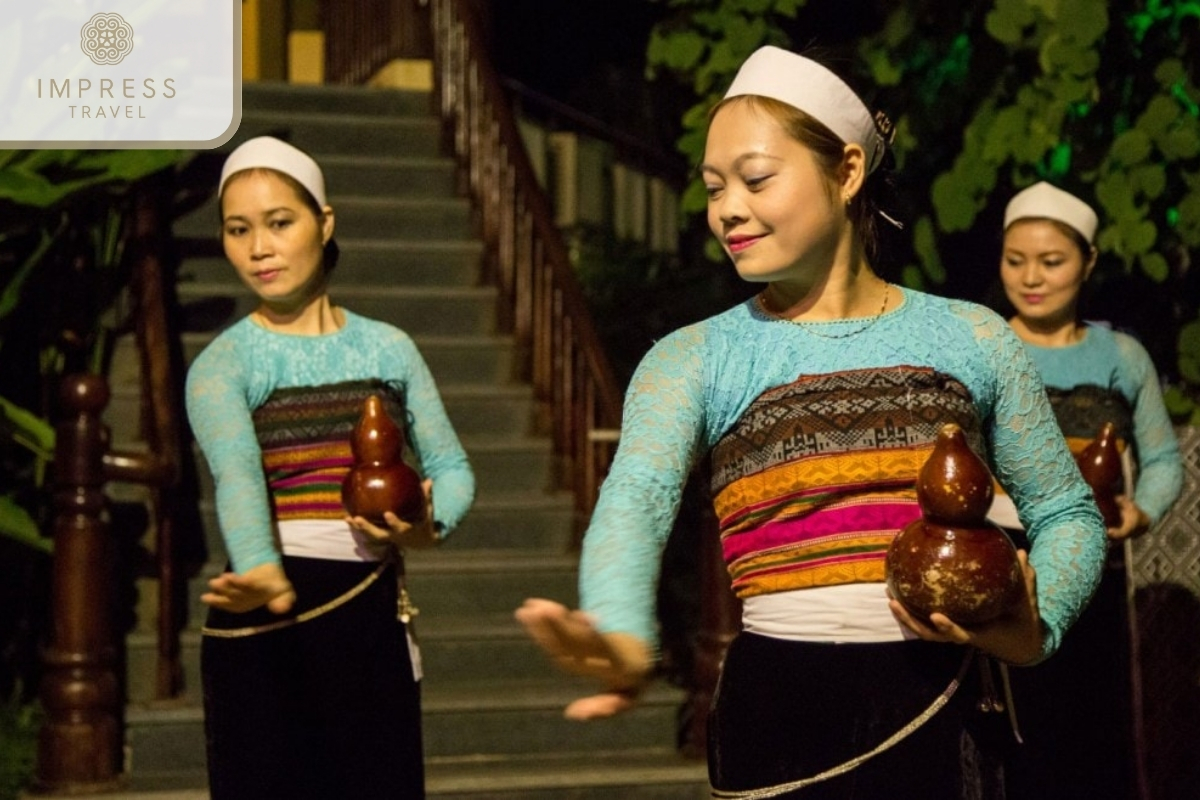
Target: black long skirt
x=1076, y=708
x=326, y=708
x=786, y=711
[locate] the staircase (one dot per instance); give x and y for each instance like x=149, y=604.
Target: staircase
x=493, y=723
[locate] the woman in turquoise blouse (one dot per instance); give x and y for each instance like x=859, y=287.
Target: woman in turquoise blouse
x=815, y=403
x=311, y=678
x=1076, y=710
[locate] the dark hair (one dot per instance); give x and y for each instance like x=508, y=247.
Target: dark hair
x=331, y=252
x=829, y=149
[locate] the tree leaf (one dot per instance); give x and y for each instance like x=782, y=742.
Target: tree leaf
x=925, y=245
x=1180, y=144
x=1160, y=113
x=1149, y=180
x=16, y=524
x=1131, y=147
x=1155, y=266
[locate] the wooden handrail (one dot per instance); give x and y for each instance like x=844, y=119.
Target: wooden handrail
x=162, y=428
x=361, y=36
x=540, y=300
x=649, y=160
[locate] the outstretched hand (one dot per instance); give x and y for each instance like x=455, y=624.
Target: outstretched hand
x=417, y=534
x=1015, y=637
x=620, y=661
x=265, y=584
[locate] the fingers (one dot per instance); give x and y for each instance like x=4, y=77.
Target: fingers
x=265, y=585
x=283, y=603
x=928, y=631
x=549, y=624
x=606, y=704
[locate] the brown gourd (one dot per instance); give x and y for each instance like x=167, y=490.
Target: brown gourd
x=379, y=480
x=951, y=559
x=1100, y=464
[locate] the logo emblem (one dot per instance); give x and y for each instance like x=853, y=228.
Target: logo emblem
x=106, y=38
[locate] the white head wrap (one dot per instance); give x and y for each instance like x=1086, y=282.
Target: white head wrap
x=267, y=152
x=804, y=84
x=1043, y=201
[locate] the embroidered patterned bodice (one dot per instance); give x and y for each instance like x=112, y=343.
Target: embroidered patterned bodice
x=695, y=386
x=304, y=433
x=815, y=479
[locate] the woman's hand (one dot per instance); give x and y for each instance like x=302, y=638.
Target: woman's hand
x=262, y=585
x=1134, y=521
x=620, y=661
x=1015, y=637
x=418, y=535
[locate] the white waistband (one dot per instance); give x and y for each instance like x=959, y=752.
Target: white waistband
x=853, y=612
x=326, y=538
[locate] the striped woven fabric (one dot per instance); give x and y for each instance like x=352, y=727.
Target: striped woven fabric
x=1083, y=410
x=818, y=476
x=304, y=433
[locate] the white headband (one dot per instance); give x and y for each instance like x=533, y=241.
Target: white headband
x=267, y=152
x=804, y=84
x=1043, y=201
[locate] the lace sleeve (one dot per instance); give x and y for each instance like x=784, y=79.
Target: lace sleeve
x=1160, y=468
x=1033, y=463
x=661, y=429
x=441, y=454
x=219, y=414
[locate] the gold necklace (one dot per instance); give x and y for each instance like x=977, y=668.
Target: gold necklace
x=808, y=326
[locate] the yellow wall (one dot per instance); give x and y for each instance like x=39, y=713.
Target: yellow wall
x=250, y=34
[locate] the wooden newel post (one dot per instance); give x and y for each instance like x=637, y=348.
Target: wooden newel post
x=80, y=743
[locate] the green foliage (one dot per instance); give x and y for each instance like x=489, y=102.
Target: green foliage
x=702, y=44
x=1098, y=97
x=19, y=722
x=62, y=275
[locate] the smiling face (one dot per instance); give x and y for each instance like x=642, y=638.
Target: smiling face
x=274, y=239
x=772, y=206
x=1043, y=270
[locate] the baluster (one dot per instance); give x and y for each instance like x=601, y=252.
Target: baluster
x=80, y=742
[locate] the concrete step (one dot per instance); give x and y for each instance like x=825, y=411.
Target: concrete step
x=462, y=650
x=343, y=134
x=375, y=262
x=497, y=719
x=647, y=774
x=398, y=176
x=418, y=310
x=264, y=97
x=455, y=585
x=433, y=218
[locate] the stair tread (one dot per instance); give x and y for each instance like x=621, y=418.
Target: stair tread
x=351, y=160
x=615, y=768
x=342, y=120
x=444, y=695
